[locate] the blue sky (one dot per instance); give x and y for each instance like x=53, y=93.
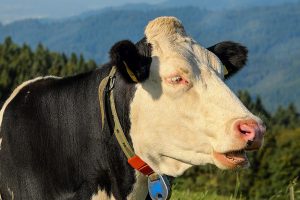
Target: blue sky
x=11, y=10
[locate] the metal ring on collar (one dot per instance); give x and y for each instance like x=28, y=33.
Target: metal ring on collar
x=111, y=83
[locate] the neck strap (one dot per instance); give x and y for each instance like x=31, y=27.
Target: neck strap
x=106, y=87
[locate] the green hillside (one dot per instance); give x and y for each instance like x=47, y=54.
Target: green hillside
x=272, y=35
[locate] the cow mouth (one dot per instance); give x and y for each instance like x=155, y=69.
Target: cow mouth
x=232, y=159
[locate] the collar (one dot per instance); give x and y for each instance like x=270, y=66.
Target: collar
x=159, y=186
x=106, y=88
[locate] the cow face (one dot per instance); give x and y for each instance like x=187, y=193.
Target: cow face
x=182, y=113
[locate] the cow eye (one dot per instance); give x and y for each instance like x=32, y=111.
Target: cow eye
x=176, y=79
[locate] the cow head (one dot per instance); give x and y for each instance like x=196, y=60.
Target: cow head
x=182, y=113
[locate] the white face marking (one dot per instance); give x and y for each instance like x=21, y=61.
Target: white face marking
x=184, y=111
x=102, y=195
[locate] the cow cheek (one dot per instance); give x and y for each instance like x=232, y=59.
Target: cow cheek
x=165, y=124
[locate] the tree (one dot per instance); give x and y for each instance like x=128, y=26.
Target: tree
x=18, y=64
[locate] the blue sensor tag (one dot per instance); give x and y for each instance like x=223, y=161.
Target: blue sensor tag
x=158, y=187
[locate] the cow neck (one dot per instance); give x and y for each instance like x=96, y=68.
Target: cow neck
x=106, y=88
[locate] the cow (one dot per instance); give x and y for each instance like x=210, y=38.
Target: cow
x=172, y=103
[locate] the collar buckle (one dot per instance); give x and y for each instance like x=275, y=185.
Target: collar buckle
x=111, y=83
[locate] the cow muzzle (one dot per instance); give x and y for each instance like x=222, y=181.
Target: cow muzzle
x=250, y=134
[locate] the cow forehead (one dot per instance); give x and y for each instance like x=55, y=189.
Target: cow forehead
x=171, y=44
x=186, y=56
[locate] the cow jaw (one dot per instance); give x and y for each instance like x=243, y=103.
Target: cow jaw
x=163, y=136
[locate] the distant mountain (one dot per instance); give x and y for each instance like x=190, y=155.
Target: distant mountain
x=226, y=4
x=272, y=35
x=13, y=10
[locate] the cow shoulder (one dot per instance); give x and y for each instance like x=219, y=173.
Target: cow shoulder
x=17, y=92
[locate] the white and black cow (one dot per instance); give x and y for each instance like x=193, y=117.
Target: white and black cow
x=179, y=114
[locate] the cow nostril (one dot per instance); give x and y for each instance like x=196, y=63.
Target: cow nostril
x=247, y=129
x=249, y=143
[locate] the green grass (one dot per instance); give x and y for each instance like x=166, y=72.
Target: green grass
x=189, y=195
x=287, y=193
x=180, y=194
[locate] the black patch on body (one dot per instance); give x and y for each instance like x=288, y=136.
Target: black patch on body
x=53, y=145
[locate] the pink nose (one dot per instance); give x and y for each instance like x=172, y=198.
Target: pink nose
x=250, y=130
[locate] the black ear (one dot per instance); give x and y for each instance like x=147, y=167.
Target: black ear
x=232, y=55
x=132, y=64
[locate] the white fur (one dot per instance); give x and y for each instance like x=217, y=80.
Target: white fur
x=14, y=94
x=176, y=126
x=102, y=195
x=140, y=189
x=11, y=193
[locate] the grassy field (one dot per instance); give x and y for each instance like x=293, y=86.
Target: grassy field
x=286, y=194
x=188, y=195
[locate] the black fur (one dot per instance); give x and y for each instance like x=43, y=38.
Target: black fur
x=145, y=49
x=53, y=145
x=231, y=54
x=139, y=63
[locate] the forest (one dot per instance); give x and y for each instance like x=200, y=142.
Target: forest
x=274, y=169
x=21, y=63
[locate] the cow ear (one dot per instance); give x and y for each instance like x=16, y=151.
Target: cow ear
x=126, y=57
x=232, y=55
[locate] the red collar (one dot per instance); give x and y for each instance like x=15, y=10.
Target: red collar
x=137, y=163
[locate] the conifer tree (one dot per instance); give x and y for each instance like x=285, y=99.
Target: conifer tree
x=20, y=63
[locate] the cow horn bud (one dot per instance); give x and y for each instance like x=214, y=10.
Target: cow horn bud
x=163, y=27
